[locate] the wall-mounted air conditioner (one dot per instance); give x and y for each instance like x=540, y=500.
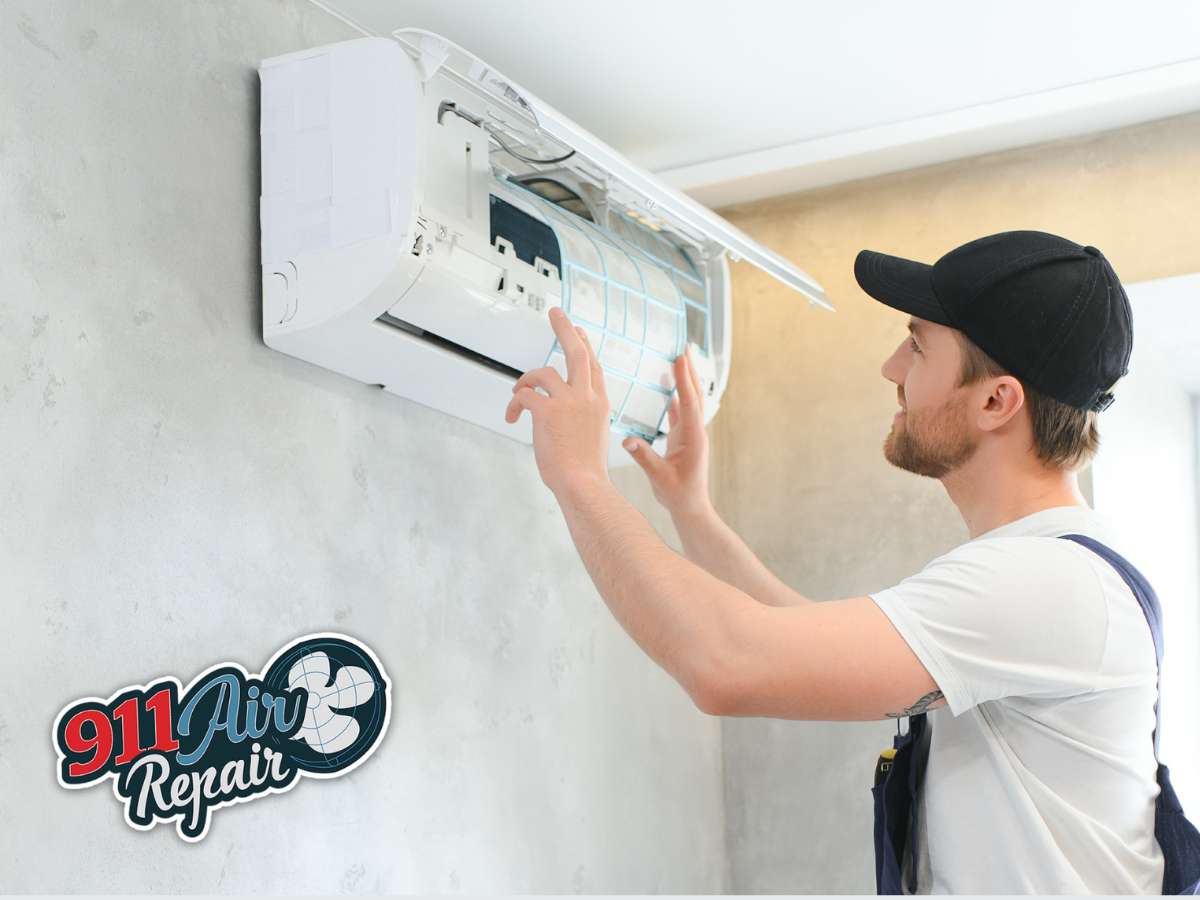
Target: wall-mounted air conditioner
x=421, y=213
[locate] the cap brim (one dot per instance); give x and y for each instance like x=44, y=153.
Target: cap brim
x=902, y=284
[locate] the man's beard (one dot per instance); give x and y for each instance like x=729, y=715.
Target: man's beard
x=931, y=442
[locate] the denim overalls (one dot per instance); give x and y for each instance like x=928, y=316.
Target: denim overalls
x=900, y=771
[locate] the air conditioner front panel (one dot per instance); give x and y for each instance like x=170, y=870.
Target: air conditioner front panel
x=457, y=310
x=639, y=298
x=401, y=249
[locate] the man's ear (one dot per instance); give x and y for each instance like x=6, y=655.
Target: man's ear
x=1002, y=402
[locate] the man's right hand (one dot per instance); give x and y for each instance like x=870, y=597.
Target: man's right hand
x=680, y=477
x=680, y=483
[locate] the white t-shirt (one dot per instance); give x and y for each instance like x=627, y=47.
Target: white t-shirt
x=1041, y=775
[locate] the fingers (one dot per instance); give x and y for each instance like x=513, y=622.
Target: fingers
x=583, y=369
x=645, y=456
x=597, y=374
x=687, y=407
x=547, y=378
x=674, y=433
x=526, y=398
x=593, y=362
x=689, y=398
x=693, y=402
x=683, y=382
x=578, y=368
x=695, y=377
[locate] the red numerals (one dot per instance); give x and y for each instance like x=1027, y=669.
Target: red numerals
x=160, y=704
x=89, y=732
x=127, y=715
x=98, y=741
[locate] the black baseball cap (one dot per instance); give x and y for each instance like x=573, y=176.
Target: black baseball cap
x=1050, y=311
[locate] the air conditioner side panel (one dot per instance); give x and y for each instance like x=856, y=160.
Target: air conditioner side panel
x=341, y=157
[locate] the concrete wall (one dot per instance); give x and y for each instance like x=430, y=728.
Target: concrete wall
x=176, y=494
x=798, y=460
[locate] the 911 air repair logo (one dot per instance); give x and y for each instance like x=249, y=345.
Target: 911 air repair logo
x=318, y=710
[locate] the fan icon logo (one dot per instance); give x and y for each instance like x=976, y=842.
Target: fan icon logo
x=324, y=727
x=343, y=713
x=319, y=709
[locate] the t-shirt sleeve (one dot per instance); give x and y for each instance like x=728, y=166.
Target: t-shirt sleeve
x=1003, y=617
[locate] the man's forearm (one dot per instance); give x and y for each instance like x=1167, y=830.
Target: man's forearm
x=711, y=543
x=679, y=614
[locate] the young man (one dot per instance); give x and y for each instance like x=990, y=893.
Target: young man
x=1031, y=653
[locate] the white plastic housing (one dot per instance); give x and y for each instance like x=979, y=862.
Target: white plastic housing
x=397, y=249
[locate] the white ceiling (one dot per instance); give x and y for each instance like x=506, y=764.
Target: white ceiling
x=735, y=101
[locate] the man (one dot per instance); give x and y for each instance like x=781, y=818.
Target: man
x=1032, y=654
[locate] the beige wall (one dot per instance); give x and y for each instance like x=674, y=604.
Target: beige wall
x=798, y=466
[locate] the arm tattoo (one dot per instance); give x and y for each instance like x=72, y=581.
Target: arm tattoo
x=919, y=707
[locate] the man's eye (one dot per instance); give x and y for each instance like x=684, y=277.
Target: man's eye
x=914, y=346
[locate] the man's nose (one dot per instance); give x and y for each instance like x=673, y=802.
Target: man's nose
x=891, y=368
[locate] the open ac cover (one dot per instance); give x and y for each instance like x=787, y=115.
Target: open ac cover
x=421, y=214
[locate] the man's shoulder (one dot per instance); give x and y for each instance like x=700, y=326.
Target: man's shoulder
x=1008, y=550
x=1039, y=564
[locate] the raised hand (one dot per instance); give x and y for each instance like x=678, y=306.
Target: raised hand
x=680, y=477
x=571, y=420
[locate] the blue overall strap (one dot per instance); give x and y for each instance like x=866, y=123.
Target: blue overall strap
x=1176, y=836
x=1146, y=598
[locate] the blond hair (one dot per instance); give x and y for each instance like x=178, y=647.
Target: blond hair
x=1063, y=437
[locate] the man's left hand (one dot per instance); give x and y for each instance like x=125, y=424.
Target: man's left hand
x=571, y=425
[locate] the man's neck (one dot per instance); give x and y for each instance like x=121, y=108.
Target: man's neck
x=991, y=493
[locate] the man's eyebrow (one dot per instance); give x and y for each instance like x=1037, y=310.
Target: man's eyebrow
x=916, y=328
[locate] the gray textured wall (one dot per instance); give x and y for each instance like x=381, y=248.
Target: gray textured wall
x=177, y=494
